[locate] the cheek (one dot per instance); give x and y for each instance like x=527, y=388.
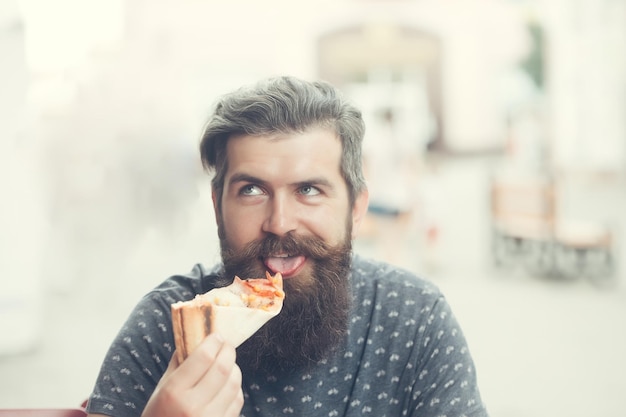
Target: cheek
x=330, y=225
x=240, y=230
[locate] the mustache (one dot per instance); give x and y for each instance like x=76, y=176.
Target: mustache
x=290, y=244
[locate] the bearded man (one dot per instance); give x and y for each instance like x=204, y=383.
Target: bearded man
x=355, y=336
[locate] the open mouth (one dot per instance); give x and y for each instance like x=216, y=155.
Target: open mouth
x=287, y=265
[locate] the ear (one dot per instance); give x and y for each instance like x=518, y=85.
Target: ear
x=218, y=213
x=359, y=211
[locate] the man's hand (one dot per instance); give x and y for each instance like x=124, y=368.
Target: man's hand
x=207, y=383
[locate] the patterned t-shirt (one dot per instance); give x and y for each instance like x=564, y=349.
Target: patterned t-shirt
x=404, y=355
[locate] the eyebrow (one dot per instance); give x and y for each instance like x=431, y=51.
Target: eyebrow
x=243, y=177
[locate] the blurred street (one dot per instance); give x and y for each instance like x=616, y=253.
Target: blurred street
x=543, y=347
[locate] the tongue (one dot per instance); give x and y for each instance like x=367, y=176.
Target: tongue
x=284, y=265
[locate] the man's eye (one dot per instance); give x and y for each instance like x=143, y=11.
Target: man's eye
x=250, y=189
x=309, y=190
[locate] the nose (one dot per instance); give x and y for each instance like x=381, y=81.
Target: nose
x=281, y=216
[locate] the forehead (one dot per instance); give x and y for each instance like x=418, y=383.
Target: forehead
x=287, y=156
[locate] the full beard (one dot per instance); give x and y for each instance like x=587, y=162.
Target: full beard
x=314, y=317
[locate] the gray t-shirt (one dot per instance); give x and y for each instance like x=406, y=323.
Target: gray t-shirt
x=404, y=355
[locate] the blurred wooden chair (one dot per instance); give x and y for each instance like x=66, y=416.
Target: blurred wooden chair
x=523, y=218
x=584, y=248
x=529, y=229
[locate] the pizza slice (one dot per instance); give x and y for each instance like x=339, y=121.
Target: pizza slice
x=236, y=312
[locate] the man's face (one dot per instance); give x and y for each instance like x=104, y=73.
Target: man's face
x=285, y=208
x=286, y=184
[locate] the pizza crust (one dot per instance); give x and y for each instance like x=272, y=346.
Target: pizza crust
x=236, y=312
x=191, y=324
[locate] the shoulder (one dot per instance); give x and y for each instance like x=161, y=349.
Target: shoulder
x=153, y=311
x=370, y=275
x=183, y=287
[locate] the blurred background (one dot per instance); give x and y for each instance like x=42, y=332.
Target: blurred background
x=495, y=154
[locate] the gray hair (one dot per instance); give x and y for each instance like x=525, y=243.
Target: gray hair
x=284, y=105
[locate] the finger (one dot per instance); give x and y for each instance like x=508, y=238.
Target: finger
x=173, y=364
x=235, y=407
x=192, y=370
x=164, y=399
x=171, y=367
x=219, y=374
x=230, y=397
x=177, y=392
